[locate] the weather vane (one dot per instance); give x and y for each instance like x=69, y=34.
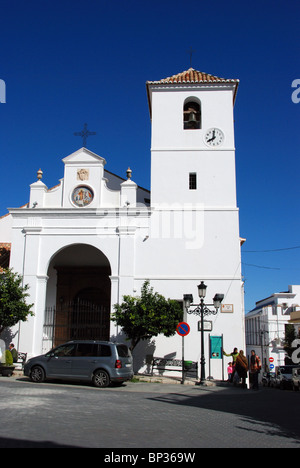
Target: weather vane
x=84, y=134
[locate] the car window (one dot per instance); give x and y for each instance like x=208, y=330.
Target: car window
x=123, y=351
x=64, y=350
x=86, y=349
x=104, y=350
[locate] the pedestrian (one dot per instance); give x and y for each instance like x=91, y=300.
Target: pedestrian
x=255, y=367
x=241, y=367
x=14, y=352
x=234, y=355
x=229, y=371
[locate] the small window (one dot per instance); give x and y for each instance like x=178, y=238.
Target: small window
x=191, y=114
x=104, y=351
x=193, y=181
x=123, y=351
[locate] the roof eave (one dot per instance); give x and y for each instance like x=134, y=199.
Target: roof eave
x=169, y=83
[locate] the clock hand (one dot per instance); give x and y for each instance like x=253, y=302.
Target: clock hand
x=212, y=138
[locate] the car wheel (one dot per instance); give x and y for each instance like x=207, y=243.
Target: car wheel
x=101, y=378
x=37, y=374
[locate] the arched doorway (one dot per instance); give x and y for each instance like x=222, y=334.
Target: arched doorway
x=82, y=294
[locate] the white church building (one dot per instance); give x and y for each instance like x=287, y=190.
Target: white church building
x=95, y=237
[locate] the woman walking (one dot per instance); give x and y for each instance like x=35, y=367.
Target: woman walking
x=241, y=367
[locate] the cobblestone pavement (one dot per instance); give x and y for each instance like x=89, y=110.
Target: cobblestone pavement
x=146, y=415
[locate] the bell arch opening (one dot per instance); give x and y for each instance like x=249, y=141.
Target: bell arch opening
x=78, y=296
x=192, y=113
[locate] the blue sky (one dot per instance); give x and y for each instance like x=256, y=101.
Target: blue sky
x=68, y=62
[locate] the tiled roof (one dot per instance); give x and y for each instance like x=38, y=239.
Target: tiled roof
x=192, y=76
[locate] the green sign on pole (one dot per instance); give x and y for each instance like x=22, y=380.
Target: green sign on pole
x=216, y=346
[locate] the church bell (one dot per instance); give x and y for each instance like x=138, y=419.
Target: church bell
x=192, y=121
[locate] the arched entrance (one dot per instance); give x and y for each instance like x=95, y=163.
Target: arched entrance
x=82, y=295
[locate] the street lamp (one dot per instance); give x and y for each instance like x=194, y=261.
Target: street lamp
x=202, y=310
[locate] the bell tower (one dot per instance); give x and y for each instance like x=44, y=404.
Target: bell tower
x=194, y=232
x=192, y=144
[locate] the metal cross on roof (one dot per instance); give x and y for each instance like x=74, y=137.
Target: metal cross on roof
x=191, y=51
x=84, y=134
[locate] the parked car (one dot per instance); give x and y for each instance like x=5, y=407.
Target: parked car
x=283, y=377
x=296, y=378
x=267, y=379
x=100, y=362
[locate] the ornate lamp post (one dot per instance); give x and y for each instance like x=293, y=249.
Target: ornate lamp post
x=202, y=310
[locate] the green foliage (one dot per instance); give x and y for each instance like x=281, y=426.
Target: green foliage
x=147, y=316
x=13, y=306
x=8, y=358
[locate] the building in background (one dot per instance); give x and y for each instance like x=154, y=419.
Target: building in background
x=266, y=325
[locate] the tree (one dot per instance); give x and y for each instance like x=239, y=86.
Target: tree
x=146, y=316
x=13, y=306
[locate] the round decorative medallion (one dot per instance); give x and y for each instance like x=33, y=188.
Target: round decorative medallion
x=82, y=196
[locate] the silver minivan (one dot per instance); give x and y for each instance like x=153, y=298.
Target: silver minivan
x=100, y=362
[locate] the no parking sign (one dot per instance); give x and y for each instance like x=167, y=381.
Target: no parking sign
x=183, y=329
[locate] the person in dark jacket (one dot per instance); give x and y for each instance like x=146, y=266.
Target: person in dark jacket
x=255, y=367
x=241, y=367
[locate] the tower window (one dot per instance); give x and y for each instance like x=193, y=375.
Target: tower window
x=191, y=114
x=193, y=181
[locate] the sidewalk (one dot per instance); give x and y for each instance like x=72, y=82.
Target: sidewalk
x=178, y=380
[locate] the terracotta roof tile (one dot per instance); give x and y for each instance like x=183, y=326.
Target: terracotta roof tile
x=192, y=76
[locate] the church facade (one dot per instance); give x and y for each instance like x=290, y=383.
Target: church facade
x=95, y=237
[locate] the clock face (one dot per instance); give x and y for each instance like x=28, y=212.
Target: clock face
x=214, y=137
x=82, y=196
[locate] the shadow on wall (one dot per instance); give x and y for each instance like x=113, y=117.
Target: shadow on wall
x=142, y=353
x=8, y=337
